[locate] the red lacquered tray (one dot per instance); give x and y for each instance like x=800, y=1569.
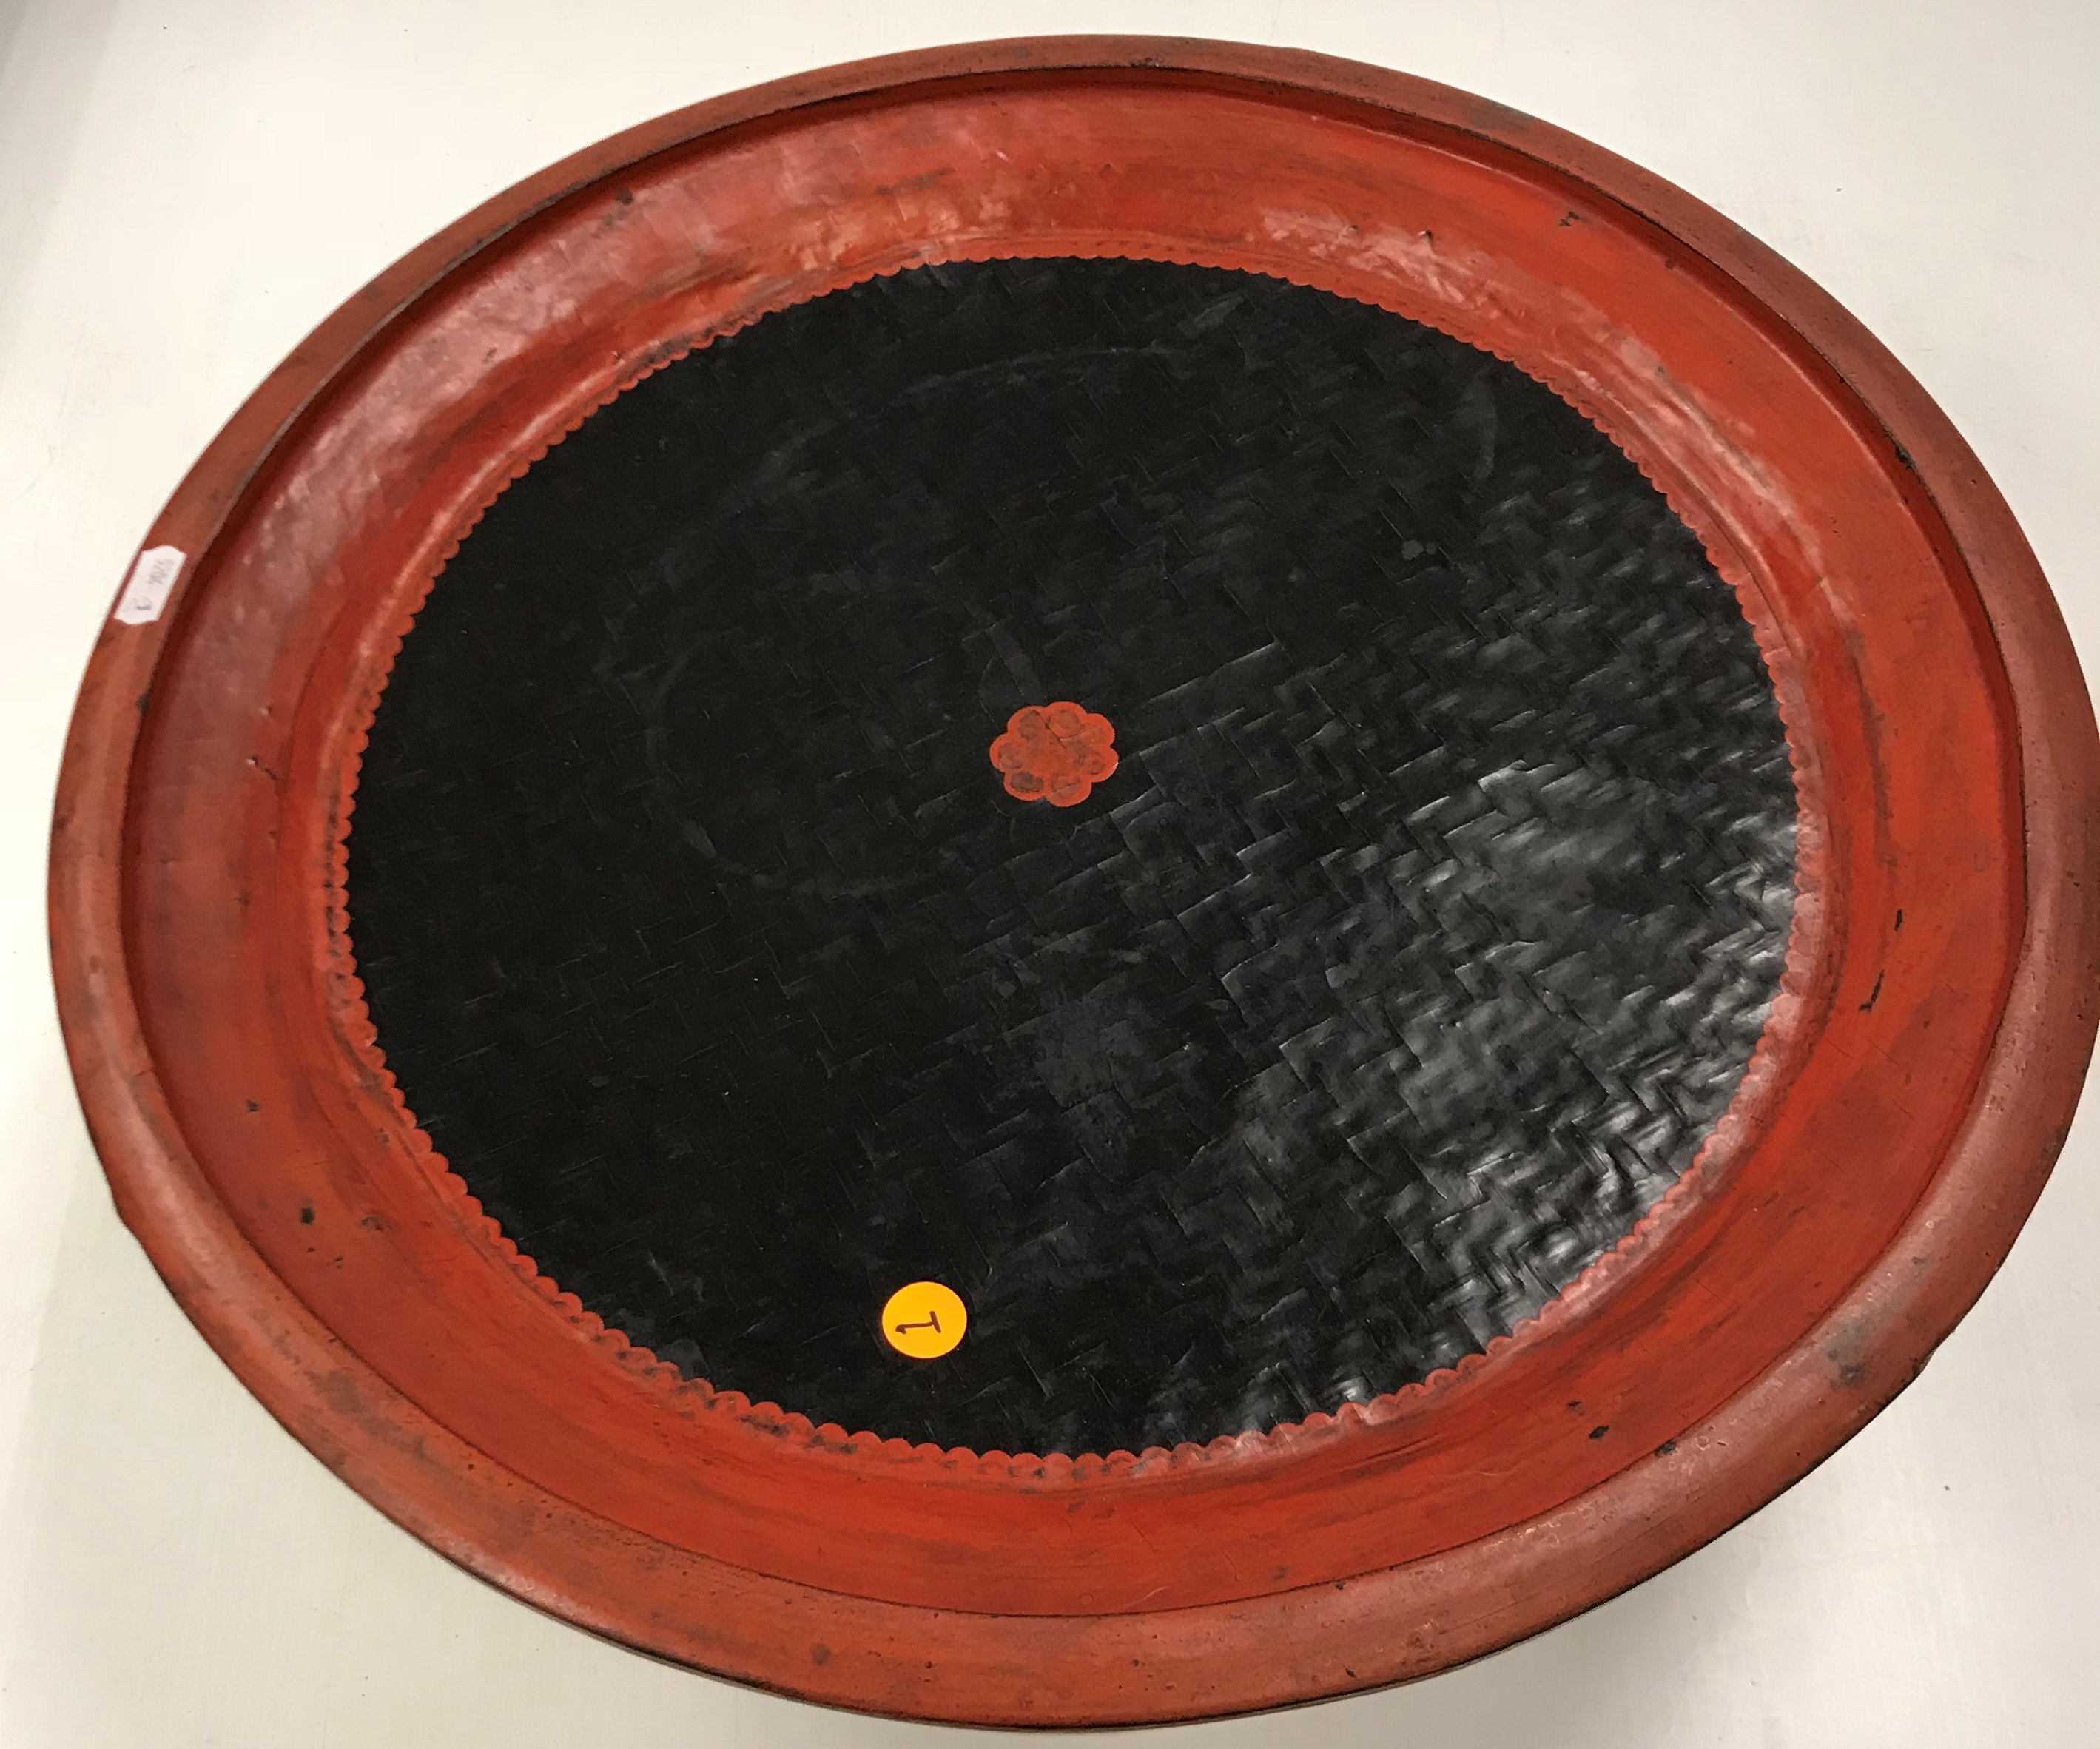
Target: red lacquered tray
x=1912, y=1090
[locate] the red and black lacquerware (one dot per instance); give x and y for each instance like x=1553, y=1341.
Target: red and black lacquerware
x=1553, y=985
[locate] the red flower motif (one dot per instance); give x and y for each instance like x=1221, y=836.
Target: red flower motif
x=1055, y=753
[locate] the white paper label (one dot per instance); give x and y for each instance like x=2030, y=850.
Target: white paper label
x=146, y=590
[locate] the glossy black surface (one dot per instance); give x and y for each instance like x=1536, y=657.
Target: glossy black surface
x=1423, y=933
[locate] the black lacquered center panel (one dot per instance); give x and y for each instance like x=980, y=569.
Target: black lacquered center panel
x=1421, y=931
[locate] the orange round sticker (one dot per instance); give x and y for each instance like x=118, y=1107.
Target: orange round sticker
x=924, y=1320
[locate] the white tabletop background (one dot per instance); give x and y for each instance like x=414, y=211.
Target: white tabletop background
x=187, y=187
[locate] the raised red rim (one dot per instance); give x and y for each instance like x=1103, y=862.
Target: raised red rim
x=189, y=876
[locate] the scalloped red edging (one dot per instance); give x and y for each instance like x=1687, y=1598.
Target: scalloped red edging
x=1759, y=1080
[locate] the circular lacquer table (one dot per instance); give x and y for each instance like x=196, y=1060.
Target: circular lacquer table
x=1080, y=881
